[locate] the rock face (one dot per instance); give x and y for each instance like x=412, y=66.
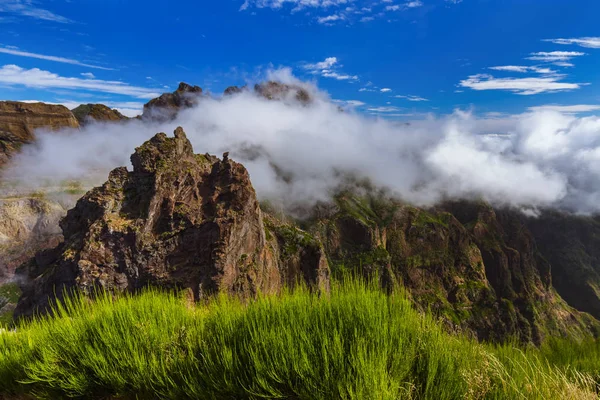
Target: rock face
x=18, y=122
x=177, y=220
x=280, y=91
x=571, y=244
x=87, y=113
x=166, y=107
x=477, y=268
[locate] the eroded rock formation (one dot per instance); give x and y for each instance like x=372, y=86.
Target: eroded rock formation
x=179, y=219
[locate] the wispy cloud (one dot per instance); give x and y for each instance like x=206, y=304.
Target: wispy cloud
x=560, y=58
x=523, y=69
x=328, y=69
x=88, y=75
x=385, y=90
x=330, y=18
x=410, y=98
x=13, y=75
x=571, y=109
x=522, y=86
x=383, y=109
x=28, y=8
x=297, y=4
x=589, y=42
x=19, y=53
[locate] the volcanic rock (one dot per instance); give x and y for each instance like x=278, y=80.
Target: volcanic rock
x=475, y=267
x=19, y=121
x=178, y=220
x=272, y=90
x=87, y=113
x=166, y=107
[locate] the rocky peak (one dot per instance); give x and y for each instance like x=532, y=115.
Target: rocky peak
x=231, y=90
x=178, y=219
x=167, y=106
x=87, y=113
x=280, y=91
x=19, y=121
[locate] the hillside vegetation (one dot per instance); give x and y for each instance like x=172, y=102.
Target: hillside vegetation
x=356, y=342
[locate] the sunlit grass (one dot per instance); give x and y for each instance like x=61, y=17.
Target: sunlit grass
x=355, y=343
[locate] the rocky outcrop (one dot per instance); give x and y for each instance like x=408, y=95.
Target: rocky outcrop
x=231, y=90
x=19, y=121
x=87, y=113
x=178, y=220
x=166, y=107
x=272, y=90
x=477, y=268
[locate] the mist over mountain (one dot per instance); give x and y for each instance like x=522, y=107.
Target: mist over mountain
x=298, y=153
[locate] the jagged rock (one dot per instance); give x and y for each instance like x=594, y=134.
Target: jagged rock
x=231, y=90
x=87, y=113
x=18, y=122
x=166, y=107
x=280, y=91
x=177, y=220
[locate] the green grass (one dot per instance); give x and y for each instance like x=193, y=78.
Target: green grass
x=355, y=343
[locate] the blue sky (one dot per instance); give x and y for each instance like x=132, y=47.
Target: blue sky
x=397, y=59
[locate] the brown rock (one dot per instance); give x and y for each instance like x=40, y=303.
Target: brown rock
x=19, y=121
x=280, y=91
x=177, y=220
x=166, y=107
x=87, y=113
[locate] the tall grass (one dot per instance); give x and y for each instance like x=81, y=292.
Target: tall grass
x=355, y=343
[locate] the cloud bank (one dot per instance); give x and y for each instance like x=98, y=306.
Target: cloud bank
x=543, y=158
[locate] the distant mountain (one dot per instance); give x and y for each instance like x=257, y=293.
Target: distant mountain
x=19, y=121
x=87, y=113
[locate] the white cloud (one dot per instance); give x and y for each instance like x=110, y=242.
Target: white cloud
x=395, y=7
x=298, y=4
x=88, y=75
x=13, y=75
x=11, y=51
x=367, y=19
x=414, y=4
x=537, y=159
x=330, y=18
x=327, y=63
x=383, y=109
x=385, y=90
x=326, y=69
x=554, y=56
x=524, y=69
x=27, y=8
x=523, y=86
x=340, y=77
x=572, y=109
x=410, y=98
x=590, y=42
